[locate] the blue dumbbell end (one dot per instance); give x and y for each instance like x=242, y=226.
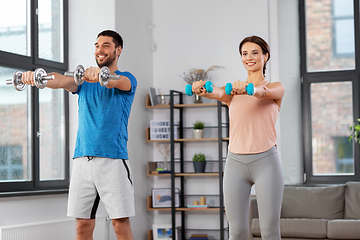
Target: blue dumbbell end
x=228, y=88
x=209, y=87
x=250, y=89
x=188, y=90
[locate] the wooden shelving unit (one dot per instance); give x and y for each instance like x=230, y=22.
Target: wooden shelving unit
x=181, y=174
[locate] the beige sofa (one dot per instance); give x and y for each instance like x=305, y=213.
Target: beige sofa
x=321, y=212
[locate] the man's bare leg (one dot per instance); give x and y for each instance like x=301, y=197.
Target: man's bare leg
x=84, y=229
x=122, y=229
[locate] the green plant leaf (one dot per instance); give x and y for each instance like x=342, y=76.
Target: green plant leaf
x=199, y=125
x=199, y=157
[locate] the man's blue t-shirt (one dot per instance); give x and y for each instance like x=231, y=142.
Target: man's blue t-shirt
x=103, y=119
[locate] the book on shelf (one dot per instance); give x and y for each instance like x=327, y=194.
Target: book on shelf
x=199, y=237
x=197, y=206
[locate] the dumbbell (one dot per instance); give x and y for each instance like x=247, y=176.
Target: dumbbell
x=105, y=76
x=16, y=81
x=40, y=79
x=77, y=74
x=208, y=87
x=250, y=89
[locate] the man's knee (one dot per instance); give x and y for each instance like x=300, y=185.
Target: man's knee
x=85, y=226
x=121, y=223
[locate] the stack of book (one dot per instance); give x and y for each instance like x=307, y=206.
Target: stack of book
x=199, y=237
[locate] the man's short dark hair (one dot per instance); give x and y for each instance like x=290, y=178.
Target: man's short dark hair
x=115, y=36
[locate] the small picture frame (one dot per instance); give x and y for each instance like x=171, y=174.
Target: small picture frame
x=161, y=197
x=163, y=232
x=153, y=96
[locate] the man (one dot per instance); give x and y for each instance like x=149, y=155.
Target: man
x=100, y=168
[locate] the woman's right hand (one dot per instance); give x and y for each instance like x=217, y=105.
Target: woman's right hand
x=28, y=78
x=198, y=87
x=239, y=87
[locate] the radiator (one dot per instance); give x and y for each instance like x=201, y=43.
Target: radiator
x=51, y=230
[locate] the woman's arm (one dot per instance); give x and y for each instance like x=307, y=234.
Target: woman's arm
x=274, y=91
x=217, y=94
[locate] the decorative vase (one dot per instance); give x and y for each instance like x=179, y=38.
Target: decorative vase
x=165, y=164
x=198, y=133
x=198, y=99
x=199, y=167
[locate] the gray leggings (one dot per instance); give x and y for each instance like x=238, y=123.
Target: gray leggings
x=241, y=172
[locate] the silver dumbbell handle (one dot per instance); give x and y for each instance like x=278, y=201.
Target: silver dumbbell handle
x=105, y=76
x=69, y=74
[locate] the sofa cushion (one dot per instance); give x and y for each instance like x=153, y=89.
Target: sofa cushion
x=313, y=202
x=343, y=229
x=296, y=228
x=352, y=200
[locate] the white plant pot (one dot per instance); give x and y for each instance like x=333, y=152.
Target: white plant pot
x=198, y=133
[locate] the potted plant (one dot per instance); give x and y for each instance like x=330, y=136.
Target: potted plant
x=198, y=129
x=199, y=161
x=355, y=132
x=194, y=75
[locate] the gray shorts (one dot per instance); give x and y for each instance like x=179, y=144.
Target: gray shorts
x=95, y=178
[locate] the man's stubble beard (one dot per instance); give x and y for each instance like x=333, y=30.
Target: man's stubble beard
x=107, y=62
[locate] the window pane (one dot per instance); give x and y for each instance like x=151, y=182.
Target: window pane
x=14, y=157
x=344, y=36
x=343, y=8
x=51, y=135
x=329, y=35
x=331, y=117
x=51, y=34
x=14, y=27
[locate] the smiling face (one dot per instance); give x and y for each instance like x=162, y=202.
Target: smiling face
x=106, y=54
x=253, y=57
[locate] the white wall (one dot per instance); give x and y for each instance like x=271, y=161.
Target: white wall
x=188, y=34
x=289, y=75
x=198, y=34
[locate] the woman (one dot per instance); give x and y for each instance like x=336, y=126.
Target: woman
x=252, y=157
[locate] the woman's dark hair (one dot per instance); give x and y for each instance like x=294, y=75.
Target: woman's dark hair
x=259, y=41
x=115, y=36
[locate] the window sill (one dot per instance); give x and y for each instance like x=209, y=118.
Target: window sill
x=33, y=193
